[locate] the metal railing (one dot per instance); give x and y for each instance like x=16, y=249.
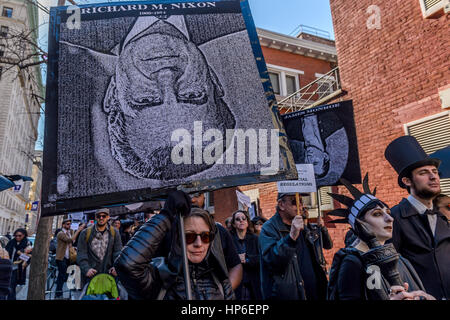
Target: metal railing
x=313, y=94
x=310, y=30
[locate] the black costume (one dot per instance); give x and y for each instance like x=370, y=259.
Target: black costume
x=430, y=255
x=313, y=264
x=5, y=277
x=412, y=235
x=351, y=279
x=350, y=268
x=250, y=278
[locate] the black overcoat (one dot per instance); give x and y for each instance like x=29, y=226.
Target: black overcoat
x=430, y=256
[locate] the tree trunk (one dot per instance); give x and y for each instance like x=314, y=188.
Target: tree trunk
x=39, y=260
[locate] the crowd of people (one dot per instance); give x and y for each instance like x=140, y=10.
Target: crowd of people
x=257, y=259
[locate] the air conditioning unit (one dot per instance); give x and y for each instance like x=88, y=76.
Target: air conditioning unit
x=434, y=8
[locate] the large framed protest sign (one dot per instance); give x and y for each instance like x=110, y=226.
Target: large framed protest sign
x=325, y=136
x=147, y=96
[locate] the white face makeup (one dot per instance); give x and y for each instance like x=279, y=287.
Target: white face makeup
x=380, y=221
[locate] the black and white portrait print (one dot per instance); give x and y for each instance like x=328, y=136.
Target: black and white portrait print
x=325, y=137
x=126, y=84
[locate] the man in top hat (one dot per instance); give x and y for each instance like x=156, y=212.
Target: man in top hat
x=65, y=239
x=98, y=247
x=420, y=233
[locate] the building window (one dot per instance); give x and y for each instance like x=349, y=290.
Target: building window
x=4, y=31
x=291, y=86
x=285, y=81
x=209, y=202
x=275, y=80
x=2, y=50
x=432, y=133
x=7, y=12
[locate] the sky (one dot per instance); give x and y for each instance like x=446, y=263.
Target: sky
x=282, y=16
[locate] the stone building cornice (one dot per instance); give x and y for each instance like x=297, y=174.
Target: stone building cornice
x=294, y=45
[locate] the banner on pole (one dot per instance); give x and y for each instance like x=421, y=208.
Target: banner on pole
x=147, y=96
x=325, y=137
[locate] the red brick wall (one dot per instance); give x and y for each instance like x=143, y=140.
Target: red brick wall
x=309, y=65
x=392, y=74
x=225, y=203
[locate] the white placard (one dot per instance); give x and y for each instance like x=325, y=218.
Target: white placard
x=74, y=226
x=24, y=257
x=305, y=183
x=244, y=199
x=77, y=216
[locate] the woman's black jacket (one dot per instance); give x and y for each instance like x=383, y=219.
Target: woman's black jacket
x=148, y=277
x=251, y=267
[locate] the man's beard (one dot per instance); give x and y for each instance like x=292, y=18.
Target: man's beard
x=424, y=193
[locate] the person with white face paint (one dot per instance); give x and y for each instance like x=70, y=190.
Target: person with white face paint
x=361, y=271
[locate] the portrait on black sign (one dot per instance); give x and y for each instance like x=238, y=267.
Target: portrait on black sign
x=326, y=138
x=123, y=84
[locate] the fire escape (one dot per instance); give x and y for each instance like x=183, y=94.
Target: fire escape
x=316, y=93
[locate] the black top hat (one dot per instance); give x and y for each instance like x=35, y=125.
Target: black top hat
x=405, y=154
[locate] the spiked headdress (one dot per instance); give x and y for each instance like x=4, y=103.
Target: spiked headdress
x=355, y=206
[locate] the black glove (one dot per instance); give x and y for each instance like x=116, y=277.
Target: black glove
x=362, y=230
x=177, y=202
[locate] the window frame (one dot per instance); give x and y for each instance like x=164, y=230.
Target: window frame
x=5, y=10
x=282, y=73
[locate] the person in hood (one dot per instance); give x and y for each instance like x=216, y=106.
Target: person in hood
x=146, y=276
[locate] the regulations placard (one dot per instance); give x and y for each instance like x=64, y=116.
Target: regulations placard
x=305, y=183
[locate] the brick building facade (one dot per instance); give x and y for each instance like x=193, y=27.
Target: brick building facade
x=302, y=59
x=395, y=65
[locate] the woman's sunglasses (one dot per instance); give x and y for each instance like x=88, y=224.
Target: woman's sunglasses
x=239, y=219
x=206, y=237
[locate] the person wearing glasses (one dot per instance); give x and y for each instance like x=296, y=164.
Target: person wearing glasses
x=98, y=247
x=281, y=251
x=64, y=240
x=19, y=245
x=148, y=276
x=246, y=242
x=258, y=222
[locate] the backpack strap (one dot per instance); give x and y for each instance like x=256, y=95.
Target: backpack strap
x=89, y=232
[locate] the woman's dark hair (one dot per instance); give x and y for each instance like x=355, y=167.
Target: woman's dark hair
x=250, y=227
x=258, y=219
x=21, y=230
x=198, y=212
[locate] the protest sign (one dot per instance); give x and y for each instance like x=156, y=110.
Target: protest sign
x=325, y=136
x=244, y=199
x=305, y=183
x=147, y=96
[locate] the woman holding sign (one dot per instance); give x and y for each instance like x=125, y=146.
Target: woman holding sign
x=146, y=276
x=19, y=249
